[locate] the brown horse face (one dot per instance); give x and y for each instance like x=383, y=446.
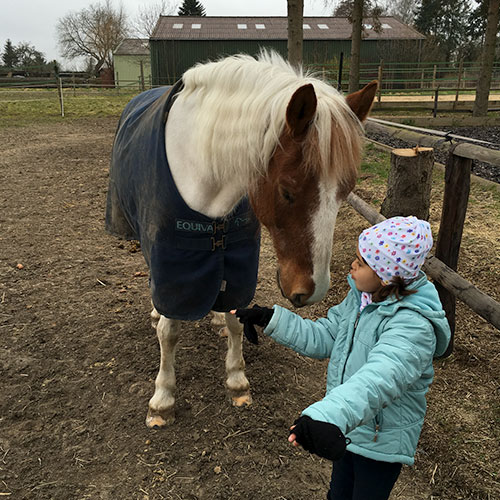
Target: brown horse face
x=298, y=204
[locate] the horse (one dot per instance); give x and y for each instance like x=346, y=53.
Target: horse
x=237, y=143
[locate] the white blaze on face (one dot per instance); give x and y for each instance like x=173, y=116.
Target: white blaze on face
x=323, y=224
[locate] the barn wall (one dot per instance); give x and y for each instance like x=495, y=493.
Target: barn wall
x=128, y=70
x=170, y=58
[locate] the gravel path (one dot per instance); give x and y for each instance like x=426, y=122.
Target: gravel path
x=481, y=169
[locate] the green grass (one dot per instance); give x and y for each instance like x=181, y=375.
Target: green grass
x=375, y=164
x=41, y=106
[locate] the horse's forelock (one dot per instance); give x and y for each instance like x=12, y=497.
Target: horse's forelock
x=241, y=106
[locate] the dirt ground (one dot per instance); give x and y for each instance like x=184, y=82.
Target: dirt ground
x=78, y=357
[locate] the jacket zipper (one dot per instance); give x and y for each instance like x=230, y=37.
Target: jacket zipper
x=378, y=426
x=350, y=346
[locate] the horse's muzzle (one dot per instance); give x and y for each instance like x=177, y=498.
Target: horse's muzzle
x=297, y=299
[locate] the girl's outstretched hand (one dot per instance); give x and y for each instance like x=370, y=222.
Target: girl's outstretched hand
x=255, y=316
x=321, y=438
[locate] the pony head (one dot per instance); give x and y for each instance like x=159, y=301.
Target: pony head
x=312, y=170
x=289, y=140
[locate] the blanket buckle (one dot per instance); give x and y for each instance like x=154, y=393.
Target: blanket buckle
x=218, y=243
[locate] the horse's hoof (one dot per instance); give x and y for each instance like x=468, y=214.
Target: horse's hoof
x=242, y=401
x=223, y=332
x=159, y=419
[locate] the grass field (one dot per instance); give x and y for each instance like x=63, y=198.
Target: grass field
x=22, y=107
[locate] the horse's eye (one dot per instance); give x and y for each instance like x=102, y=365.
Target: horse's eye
x=286, y=195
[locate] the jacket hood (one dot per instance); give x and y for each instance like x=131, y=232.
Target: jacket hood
x=425, y=301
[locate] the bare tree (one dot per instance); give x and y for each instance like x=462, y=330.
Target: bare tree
x=145, y=21
x=295, y=31
x=405, y=10
x=92, y=32
x=488, y=56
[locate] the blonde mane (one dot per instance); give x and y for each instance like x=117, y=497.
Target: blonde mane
x=241, y=105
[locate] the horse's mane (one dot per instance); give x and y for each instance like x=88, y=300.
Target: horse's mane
x=241, y=105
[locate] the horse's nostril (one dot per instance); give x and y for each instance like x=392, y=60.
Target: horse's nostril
x=298, y=299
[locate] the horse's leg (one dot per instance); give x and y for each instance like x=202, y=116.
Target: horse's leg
x=155, y=317
x=161, y=405
x=219, y=320
x=237, y=383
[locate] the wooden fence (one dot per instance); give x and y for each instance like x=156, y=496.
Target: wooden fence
x=442, y=266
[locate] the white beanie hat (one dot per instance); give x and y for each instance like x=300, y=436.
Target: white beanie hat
x=396, y=247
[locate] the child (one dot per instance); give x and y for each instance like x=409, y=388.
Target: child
x=381, y=340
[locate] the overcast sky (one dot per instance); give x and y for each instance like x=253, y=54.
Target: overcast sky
x=34, y=21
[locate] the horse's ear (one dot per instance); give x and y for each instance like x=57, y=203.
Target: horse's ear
x=301, y=109
x=361, y=101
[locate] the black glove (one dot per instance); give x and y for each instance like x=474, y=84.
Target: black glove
x=255, y=316
x=323, y=439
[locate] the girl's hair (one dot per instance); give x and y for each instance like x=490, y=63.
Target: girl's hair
x=397, y=287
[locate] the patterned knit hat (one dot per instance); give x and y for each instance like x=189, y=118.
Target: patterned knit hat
x=396, y=247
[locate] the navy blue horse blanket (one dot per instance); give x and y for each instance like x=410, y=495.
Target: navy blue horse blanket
x=196, y=263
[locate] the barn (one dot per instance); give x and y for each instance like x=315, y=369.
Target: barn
x=132, y=62
x=178, y=42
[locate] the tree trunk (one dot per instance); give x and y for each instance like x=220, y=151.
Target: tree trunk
x=295, y=31
x=409, y=183
x=357, y=28
x=487, y=58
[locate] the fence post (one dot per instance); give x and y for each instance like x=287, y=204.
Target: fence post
x=380, y=69
x=456, y=196
x=434, y=77
x=459, y=80
x=117, y=84
x=436, y=99
x=409, y=183
x=142, y=76
x=61, y=97
x=339, y=79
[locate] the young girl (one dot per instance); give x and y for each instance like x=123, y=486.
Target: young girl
x=381, y=341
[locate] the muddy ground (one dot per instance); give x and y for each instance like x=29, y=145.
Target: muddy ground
x=78, y=357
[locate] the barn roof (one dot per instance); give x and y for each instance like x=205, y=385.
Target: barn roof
x=132, y=47
x=273, y=28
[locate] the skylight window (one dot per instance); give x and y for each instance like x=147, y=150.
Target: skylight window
x=386, y=26
x=242, y=26
x=306, y=27
x=196, y=26
x=323, y=26
x=260, y=26
x=177, y=26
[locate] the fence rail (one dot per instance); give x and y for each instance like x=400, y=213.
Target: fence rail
x=410, y=77
x=413, y=77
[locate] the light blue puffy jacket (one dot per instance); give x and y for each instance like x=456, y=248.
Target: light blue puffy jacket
x=380, y=366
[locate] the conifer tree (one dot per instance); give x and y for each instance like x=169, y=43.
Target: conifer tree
x=9, y=57
x=191, y=8
x=445, y=21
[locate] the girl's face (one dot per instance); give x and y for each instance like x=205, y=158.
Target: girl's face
x=364, y=276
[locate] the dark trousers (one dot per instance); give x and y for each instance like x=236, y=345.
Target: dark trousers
x=358, y=478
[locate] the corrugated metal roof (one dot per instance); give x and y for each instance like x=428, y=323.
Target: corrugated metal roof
x=133, y=47
x=273, y=28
